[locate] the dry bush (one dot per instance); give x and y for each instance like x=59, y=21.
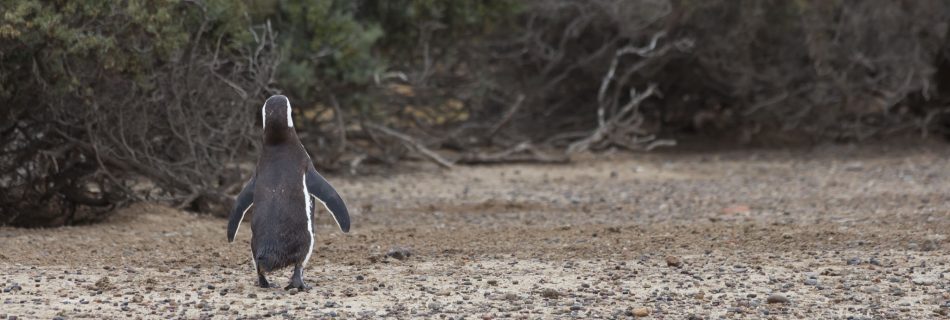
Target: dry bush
x=840, y=69
x=828, y=69
x=93, y=122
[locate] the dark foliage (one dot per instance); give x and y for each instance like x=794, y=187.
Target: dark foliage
x=110, y=102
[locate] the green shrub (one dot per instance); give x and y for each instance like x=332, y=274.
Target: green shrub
x=100, y=94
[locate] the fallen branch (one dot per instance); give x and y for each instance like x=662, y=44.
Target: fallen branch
x=513, y=154
x=606, y=129
x=413, y=144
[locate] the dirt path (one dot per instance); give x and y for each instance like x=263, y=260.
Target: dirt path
x=829, y=232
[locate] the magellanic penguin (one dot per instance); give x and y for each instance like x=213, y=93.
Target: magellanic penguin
x=280, y=192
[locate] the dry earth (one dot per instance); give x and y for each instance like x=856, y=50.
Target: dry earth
x=832, y=232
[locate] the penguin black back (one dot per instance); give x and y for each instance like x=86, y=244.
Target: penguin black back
x=280, y=191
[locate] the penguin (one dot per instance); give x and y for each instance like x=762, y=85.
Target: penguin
x=283, y=191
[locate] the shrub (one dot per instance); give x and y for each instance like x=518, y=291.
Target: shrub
x=105, y=99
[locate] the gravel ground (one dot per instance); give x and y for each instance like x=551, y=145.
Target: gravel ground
x=832, y=232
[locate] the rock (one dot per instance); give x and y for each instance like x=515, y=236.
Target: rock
x=493, y=282
x=360, y=277
x=550, y=294
x=672, y=261
x=776, y=298
x=811, y=282
x=923, y=281
x=641, y=312
x=399, y=253
x=104, y=283
x=854, y=261
x=929, y=245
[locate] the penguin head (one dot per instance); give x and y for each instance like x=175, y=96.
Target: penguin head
x=276, y=113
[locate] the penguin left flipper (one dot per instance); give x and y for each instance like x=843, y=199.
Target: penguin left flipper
x=319, y=188
x=242, y=204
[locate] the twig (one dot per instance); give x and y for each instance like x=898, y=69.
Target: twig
x=507, y=116
x=413, y=144
x=339, y=122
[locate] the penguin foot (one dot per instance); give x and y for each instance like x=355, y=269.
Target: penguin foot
x=262, y=282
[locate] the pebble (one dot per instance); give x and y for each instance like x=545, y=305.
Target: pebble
x=550, y=294
x=399, y=253
x=776, y=298
x=811, y=282
x=854, y=261
x=672, y=261
x=641, y=312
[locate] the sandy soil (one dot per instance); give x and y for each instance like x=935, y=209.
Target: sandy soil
x=830, y=232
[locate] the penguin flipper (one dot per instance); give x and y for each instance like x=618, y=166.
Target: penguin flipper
x=242, y=204
x=319, y=188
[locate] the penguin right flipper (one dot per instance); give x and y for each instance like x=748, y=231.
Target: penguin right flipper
x=323, y=191
x=244, y=201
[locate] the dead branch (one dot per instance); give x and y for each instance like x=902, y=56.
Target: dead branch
x=606, y=131
x=507, y=116
x=413, y=144
x=523, y=152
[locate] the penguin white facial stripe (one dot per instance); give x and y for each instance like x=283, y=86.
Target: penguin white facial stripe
x=309, y=205
x=328, y=210
x=290, y=120
x=264, y=116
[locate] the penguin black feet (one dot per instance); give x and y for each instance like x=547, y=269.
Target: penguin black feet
x=296, y=281
x=262, y=281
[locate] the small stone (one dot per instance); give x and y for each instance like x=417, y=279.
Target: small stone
x=854, y=261
x=776, y=298
x=399, y=253
x=811, y=282
x=550, y=294
x=923, y=281
x=104, y=283
x=360, y=277
x=641, y=312
x=672, y=261
x=493, y=282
